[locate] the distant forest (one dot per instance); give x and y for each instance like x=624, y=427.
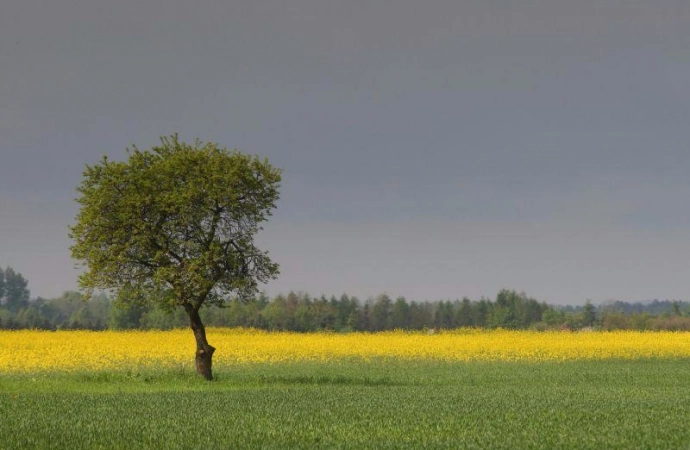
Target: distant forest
x=302, y=313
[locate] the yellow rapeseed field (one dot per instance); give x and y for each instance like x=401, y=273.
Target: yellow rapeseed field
x=37, y=351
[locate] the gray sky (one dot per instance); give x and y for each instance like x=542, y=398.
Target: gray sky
x=433, y=149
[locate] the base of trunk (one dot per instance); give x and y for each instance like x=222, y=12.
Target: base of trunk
x=204, y=361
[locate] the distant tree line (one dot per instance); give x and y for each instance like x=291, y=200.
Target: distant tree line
x=302, y=313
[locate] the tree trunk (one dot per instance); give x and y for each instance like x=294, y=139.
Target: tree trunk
x=204, y=351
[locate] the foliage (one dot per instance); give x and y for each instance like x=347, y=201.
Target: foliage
x=14, y=291
x=303, y=313
x=175, y=224
x=589, y=314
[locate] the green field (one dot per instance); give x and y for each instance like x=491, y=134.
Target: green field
x=596, y=404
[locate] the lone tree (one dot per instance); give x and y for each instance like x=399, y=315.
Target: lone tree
x=175, y=225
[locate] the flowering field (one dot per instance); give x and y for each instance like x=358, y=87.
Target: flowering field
x=115, y=390
x=35, y=351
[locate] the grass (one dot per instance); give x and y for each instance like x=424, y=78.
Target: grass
x=622, y=404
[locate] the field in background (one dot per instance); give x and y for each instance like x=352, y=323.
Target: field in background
x=41, y=351
x=461, y=389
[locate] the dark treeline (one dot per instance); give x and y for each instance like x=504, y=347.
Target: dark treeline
x=292, y=312
x=301, y=312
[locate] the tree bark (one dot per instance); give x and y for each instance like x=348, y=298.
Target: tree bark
x=204, y=351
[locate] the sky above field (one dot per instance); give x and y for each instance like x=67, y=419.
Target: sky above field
x=434, y=149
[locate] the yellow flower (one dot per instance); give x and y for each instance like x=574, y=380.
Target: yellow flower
x=37, y=351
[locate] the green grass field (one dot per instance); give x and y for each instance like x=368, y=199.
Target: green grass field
x=597, y=404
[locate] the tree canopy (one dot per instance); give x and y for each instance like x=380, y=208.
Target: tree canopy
x=176, y=225
x=14, y=291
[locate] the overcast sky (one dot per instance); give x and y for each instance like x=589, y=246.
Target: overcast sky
x=432, y=149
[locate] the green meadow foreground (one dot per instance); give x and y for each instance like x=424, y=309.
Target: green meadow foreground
x=350, y=403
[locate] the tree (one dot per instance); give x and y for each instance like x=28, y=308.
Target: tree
x=400, y=315
x=443, y=316
x=589, y=314
x=381, y=313
x=276, y=314
x=2, y=284
x=127, y=313
x=16, y=291
x=464, y=313
x=175, y=225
